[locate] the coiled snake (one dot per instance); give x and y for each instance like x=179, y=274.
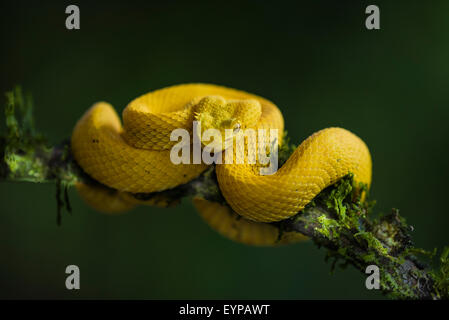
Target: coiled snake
x=135, y=158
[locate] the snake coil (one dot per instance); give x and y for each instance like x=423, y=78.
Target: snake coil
x=135, y=158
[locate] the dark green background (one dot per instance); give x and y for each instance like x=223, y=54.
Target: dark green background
x=314, y=59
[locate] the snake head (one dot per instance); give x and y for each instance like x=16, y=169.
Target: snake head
x=229, y=117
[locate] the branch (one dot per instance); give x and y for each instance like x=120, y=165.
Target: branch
x=337, y=219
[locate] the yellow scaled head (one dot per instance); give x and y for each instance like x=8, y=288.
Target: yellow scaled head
x=229, y=117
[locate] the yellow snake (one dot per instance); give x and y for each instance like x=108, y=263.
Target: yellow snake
x=135, y=158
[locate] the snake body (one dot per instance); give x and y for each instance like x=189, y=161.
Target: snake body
x=135, y=158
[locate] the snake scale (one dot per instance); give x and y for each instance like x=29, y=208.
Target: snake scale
x=134, y=158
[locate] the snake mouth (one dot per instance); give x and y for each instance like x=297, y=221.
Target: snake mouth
x=215, y=134
x=220, y=120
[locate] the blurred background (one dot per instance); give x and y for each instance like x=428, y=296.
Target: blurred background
x=315, y=60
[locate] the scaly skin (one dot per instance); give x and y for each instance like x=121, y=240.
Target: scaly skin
x=320, y=161
x=235, y=227
x=136, y=158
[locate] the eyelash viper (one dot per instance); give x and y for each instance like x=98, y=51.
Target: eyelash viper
x=135, y=158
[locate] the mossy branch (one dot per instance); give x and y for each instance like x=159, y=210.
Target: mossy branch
x=337, y=219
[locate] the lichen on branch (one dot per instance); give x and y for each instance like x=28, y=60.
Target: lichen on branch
x=338, y=219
